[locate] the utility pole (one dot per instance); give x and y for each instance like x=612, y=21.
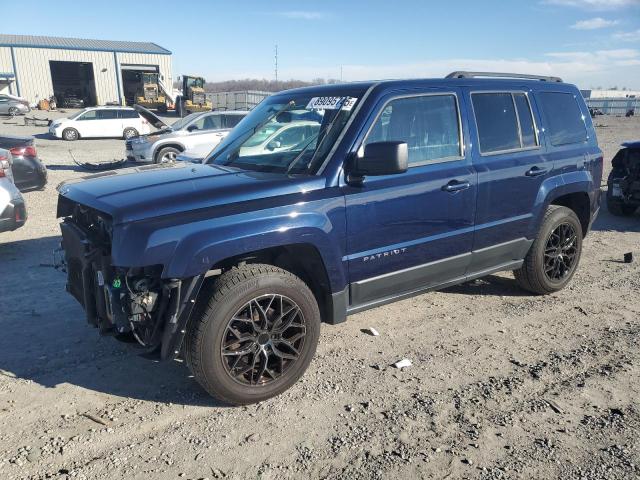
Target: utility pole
x=276, y=59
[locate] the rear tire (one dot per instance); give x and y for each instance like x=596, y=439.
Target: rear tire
x=130, y=133
x=234, y=346
x=70, y=134
x=555, y=254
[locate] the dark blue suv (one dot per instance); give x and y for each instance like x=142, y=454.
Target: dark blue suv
x=389, y=189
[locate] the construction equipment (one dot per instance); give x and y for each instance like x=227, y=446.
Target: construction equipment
x=193, y=98
x=150, y=93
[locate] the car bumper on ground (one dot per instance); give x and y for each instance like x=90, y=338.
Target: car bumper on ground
x=14, y=215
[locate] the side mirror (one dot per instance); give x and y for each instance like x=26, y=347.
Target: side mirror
x=191, y=128
x=382, y=158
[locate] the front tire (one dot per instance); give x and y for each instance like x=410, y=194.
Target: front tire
x=167, y=155
x=554, y=256
x=13, y=111
x=255, y=336
x=70, y=134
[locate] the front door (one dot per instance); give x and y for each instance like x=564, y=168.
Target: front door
x=412, y=231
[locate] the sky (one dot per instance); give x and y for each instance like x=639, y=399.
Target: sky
x=593, y=43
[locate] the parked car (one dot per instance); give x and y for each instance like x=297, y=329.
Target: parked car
x=28, y=171
x=13, y=212
x=101, y=122
x=12, y=106
x=198, y=131
x=623, y=184
x=72, y=100
x=408, y=186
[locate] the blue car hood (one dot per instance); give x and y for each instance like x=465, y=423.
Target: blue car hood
x=135, y=194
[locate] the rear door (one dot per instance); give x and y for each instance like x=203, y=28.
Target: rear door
x=511, y=166
x=411, y=231
x=109, y=123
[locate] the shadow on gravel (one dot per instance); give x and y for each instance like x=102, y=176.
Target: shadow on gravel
x=45, y=337
x=491, y=285
x=44, y=136
x=606, y=222
x=70, y=168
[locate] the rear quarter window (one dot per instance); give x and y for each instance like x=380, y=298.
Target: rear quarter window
x=129, y=114
x=565, y=122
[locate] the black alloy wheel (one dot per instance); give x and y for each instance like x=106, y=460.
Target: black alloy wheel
x=560, y=252
x=263, y=339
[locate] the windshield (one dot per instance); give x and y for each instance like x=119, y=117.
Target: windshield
x=77, y=114
x=289, y=133
x=183, y=122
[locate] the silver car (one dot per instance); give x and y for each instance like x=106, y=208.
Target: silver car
x=196, y=132
x=13, y=212
x=12, y=106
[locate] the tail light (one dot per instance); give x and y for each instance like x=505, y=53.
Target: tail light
x=29, y=151
x=5, y=166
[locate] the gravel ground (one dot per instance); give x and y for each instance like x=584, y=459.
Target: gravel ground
x=503, y=384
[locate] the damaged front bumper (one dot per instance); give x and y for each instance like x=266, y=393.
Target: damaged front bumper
x=121, y=300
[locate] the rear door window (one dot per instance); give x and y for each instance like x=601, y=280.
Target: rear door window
x=497, y=122
x=231, y=121
x=505, y=122
x=429, y=124
x=107, y=114
x=564, y=118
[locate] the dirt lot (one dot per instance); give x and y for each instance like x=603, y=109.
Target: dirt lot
x=503, y=384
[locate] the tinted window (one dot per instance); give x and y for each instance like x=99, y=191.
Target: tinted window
x=527, y=127
x=564, y=118
x=127, y=114
x=107, y=114
x=231, y=121
x=496, y=121
x=428, y=124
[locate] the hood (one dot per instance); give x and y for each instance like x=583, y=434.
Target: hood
x=152, y=191
x=150, y=117
x=11, y=141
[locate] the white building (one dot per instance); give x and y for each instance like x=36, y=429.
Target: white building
x=97, y=71
x=610, y=94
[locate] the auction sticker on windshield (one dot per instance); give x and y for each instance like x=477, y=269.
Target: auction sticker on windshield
x=331, y=103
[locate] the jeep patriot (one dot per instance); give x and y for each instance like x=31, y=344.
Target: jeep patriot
x=400, y=187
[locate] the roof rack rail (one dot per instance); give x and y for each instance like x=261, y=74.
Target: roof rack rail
x=463, y=74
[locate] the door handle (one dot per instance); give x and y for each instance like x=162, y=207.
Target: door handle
x=455, y=186
x=536, y=172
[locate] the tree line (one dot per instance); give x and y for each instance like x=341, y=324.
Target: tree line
x=263, y=85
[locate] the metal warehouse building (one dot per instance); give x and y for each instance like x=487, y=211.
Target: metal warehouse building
x=98, y=71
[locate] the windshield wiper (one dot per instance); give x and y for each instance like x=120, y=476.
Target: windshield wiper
x=327, y=129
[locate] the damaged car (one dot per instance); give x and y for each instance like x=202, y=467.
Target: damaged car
x=387, y=190
x=623, y=185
